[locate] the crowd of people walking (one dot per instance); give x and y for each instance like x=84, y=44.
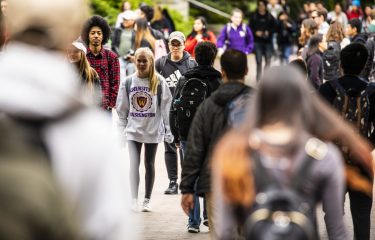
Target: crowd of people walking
x=262, y=158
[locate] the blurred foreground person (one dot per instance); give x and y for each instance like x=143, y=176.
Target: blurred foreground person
x=43, y=96
x=280, y=164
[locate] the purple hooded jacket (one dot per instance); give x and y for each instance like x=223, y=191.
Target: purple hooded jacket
x=238, y=39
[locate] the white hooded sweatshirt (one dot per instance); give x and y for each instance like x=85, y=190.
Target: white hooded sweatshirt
x=40, y=84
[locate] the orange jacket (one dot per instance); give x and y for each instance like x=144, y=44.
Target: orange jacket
x=191, y=42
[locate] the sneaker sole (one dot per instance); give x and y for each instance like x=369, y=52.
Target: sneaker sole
x=192, y=230
x=170, y=193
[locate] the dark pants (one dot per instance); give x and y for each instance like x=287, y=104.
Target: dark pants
x=360, y=207
x=195, y=213
x=262, y=49
x=171, y=160
x=135, y=159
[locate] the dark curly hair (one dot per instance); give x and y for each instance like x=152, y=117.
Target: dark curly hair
x=96, y=21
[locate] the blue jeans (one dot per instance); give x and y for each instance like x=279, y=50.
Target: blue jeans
x=285, y=52
x=194, y=214
x=262, y=49
x=127, y=68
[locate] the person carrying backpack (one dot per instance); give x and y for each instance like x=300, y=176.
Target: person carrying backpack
x=235, y=35
x=354, y=99
x=192, y=89
x=209, y=124
x=46, y=95
x=270, y=173
x=172, y=67
x=331, y=56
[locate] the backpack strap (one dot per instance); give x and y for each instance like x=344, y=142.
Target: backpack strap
x=161, y=64
x=128, y=83
x=340, y=93
x=315, y=149
x=159, y=93
x=227, y=30
x=262, y=175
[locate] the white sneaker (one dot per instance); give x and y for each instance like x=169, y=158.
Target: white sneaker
x=146, y=205
x=135, y=205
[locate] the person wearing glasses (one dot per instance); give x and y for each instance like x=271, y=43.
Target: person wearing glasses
x=320, y=16
x=172, y=67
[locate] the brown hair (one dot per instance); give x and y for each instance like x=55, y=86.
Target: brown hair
x=143, y=33
x=271, y=104
x=335, y=32
x=311, y=28
x=158, y=14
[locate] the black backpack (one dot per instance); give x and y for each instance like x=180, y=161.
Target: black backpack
x=280, y=212
x=193, y=92
x=331, y=61
x=369, y=69
x=236, y=109
x=353, y=107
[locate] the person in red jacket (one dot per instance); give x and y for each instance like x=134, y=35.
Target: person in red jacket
x=198, y=34
x=355, y=10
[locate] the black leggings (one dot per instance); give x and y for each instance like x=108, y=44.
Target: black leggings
x=135, y=159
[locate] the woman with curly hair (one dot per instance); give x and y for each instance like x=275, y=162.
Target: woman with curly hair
x=335, y=41
x=198, y=34
x=283, y=139
x=309, y=28
x=95, y=34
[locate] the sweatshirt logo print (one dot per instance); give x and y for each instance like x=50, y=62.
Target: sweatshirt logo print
x=173, y=78
x=141, y=101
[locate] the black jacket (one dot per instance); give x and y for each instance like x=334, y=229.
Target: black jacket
x=262, y=23
x=360, y=38
x=353, y=85
x=207, y=74
x=173, y=71
x=209, y=124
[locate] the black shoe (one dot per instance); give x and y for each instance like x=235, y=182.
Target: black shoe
x=172, y=189
x=205, y=222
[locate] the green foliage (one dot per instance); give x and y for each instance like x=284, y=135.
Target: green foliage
x=181, y=24
x=111, y=8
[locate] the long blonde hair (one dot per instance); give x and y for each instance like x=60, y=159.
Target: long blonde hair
x=85, y=68
x=143, y=32
x=152, y=76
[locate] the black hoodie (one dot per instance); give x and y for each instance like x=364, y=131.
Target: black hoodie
x=209, y=124
x=209, y=75
x=173, y=71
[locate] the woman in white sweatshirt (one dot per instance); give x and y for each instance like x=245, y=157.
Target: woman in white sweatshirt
x=143, y=105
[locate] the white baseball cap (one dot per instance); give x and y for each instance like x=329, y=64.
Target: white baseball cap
x=80, y=46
